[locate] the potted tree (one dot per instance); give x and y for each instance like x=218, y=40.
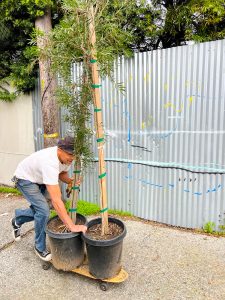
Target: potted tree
x=92, y=36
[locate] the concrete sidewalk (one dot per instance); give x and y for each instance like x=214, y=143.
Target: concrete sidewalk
x=163, y=263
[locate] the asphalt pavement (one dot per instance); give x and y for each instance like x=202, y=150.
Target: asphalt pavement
x=162, y=262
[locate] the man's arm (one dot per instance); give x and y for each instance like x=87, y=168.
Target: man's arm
x=64, y=177
x=58, y=204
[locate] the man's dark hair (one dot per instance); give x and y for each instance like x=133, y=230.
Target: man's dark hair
x=66, y=144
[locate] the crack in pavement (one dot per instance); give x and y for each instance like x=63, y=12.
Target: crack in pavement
x=7, y=245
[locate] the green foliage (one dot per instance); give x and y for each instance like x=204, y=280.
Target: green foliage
x=120, y=213
x=18, y=57
x=70, y=44
x=5, y=95
x=87, y=209
x=208, y=19
x=209, y=227
x=142, y=25
x=9, y=190
x=180, y=21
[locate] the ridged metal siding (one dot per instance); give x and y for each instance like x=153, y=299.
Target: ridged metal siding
x=37, y=118
x=168, y=126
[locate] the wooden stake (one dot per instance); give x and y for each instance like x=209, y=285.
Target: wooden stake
x=75, y=193
x=98, y=122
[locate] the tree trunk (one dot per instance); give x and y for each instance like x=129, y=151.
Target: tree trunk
x=50, y=112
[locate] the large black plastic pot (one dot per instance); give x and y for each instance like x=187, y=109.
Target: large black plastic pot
x=67, y=249
x=104, y=256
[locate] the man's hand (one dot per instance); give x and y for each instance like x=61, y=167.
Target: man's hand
x=69, y=187
x=78, y=228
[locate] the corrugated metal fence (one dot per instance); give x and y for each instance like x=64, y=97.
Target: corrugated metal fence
x=165, y=148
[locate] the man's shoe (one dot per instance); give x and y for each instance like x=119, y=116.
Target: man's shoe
x=45, y=255
x=16, y=230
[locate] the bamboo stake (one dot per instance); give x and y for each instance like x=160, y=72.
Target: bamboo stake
x=75, y=191
x=98, y=122
x=77, y=169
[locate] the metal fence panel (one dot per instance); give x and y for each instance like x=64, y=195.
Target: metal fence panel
x=165, y=136
x=37, y=118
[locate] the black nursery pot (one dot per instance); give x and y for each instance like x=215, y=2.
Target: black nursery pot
x=67, y=249
x=104, y=256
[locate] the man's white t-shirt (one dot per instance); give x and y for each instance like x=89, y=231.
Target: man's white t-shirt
x=42, y=167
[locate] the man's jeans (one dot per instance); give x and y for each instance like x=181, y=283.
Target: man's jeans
x=38, y=211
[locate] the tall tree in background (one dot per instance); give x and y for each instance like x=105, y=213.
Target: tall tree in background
x=20, y=59
x=50, y=112
x=178, y=21
x=155, y=24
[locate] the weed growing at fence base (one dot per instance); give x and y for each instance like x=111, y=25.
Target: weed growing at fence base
x=86, y=208
x=209, y=227
x=9, y=190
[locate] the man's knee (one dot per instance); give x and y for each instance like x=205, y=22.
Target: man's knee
x=44, y=211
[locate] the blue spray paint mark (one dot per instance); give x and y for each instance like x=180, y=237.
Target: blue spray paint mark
x=128, y=121
x=129, y=134
x=157, y=185
x=169, y=133
x=171, y=185
x=128, y=177
x=193, y=95
x=146, y=182
x=212, y=190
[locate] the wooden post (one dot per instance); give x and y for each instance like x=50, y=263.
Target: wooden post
x=98, y=122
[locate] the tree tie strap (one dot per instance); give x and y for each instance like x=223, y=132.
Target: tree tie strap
x=75, y=187
x=102, y=175
x=77, y=171
x=72, y=209
x=95, y=86
x=92, y=61
x=100, y=140
x=97, y=109
x=103, y=210
x=52, y=135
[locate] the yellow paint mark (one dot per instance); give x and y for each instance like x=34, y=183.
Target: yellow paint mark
x=143, y=125
x=150, y=121
x=146, y=77
x=190, y=99
x=111, y=104
x=168, y=104
x=166, y=87
x=42, y=84
x=131, y=77
x=187, y=83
